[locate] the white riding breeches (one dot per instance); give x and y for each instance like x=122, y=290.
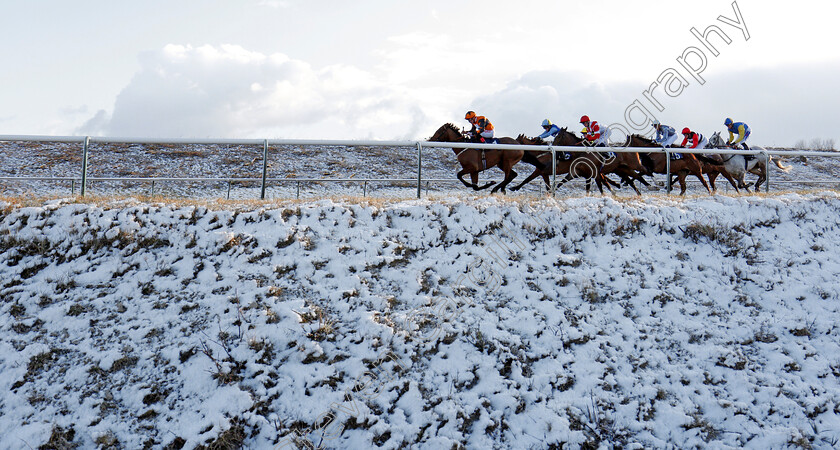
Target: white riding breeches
x=668, y=141
x=487, y=134
x=604, y=138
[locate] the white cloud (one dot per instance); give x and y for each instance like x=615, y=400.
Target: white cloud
x=275, y=4
x=781, y=105
x=185, y=91
x=425, y=80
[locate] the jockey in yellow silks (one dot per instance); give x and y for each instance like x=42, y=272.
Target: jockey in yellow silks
x=743, y=131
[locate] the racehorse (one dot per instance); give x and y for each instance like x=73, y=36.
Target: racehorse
x=589, y=165
x=681, y=167
x=627, y=165
x=739, y=165
x=578, y=164
x=474, y=161
x=712, y=167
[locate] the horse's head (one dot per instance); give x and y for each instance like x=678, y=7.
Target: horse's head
x=447, y=133
x=566, y=137
x=716, y=140
x=525, y=140
x=637, y=140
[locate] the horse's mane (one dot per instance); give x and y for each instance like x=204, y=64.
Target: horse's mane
x=642, y=138
x=452, y=126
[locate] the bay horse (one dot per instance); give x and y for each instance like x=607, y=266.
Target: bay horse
x=713, y=166
x=627, y=165
x=739, y=165
x=579, y=164
x=474, y=161
x=657, y=162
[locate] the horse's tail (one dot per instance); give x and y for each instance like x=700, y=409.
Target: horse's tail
x=647, y=161
x=780, y=166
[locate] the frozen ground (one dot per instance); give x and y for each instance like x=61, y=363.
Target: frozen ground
x=289, y=163
x=448, y=323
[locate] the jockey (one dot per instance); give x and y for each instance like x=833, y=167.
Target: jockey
x=698, y=141
x=743, y=131
x=665, y=135
x=551, y=130
x=481, y=127
x=593, y=133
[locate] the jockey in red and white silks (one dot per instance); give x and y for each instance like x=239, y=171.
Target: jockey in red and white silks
x=697, y=140
x=594, y=133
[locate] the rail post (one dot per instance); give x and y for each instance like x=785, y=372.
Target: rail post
x=265, y=169
x=364, y=189
x=298, y=190
x=83, y=187
x=419, y=167
x=553, y=171
x=667, y=171
x=152, y=193
x=766, y=171
x=228, y=189
x=73, y=187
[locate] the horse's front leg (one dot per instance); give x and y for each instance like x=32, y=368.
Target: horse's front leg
x=474, y=178
x=473, y=175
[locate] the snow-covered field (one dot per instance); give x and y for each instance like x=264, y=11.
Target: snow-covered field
x=45, y=159
x=442, y=323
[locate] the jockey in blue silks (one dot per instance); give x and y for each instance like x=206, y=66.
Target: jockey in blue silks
x=743, y=131
x=665, y=135
x=550, y=129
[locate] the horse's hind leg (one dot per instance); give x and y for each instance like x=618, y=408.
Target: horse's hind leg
x=712, y=177
x=730, y=179
x=681, y=178
x=761, y=179
x=565, y=180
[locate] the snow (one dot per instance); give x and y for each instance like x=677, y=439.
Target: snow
x=457, y=321
x=290, y=163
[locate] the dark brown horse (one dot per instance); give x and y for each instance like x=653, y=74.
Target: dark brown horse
x=474, y=161
x=579, y=164
x=681, y=167
x=713, y=166
x=544, y=157
x=627, y=165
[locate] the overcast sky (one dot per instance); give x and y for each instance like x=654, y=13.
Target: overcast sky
x=392, y=69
